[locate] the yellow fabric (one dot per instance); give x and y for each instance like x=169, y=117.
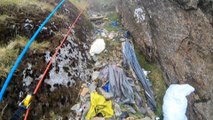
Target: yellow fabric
x=99, y=105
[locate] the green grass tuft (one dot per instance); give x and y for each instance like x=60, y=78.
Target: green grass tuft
x=110, y=28
x=113, y=16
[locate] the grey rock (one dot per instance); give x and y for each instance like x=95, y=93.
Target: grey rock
x=188, y=4
x=180, y=40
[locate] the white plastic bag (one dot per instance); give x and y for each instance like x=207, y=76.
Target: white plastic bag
x=97, y=47
x=175, y=102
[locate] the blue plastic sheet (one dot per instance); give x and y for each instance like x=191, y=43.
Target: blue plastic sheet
x=131, y=60
x=114, y=23
x=119, y=85
x=106, y=87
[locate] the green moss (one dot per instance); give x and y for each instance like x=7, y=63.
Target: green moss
x=113, y=16
x=110, y=28
x=156, y=78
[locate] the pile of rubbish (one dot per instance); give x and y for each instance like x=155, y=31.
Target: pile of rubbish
x=119, y=88
x=113, y=92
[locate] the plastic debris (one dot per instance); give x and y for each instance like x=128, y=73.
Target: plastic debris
x=130, y=118
x=117, y=109
x=124, y=115
x=84, y=91
x=119, y=85
x=131, y=59
x=106, y=95
x=76, y=107
x=92, y=87
x=106, y=87
x=99, y=105
x=127, y=34
x=97, y=47
x=175, y=102
x=157, y=118
x=114, y=23
x=86, y=108
x=130, y=109
x=98, y=118
x=112, y=35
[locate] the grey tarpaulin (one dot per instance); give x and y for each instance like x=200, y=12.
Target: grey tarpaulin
x=131, y=59
x=118, y=84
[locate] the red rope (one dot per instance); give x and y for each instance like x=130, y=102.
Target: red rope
x=56, y=52
x=27, y=114
x=52, y=59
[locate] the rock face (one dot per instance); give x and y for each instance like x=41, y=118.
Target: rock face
x=178, y=34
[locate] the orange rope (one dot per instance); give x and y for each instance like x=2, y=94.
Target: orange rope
x=27, y=114
x=52, y=59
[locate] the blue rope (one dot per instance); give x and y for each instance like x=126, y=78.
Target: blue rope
x=25, y=50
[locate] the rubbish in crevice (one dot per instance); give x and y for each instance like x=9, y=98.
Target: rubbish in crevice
x=130, y=59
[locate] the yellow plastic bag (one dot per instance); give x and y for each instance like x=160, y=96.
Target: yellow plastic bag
x=99, y=105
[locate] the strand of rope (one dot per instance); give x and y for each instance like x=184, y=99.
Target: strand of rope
x=52, y=59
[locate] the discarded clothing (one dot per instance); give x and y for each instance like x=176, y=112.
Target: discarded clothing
x=131, y=60
x=119, y=85
x=99, y=106
x=175, y=102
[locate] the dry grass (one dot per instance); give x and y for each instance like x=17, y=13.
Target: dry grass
x=10, y=53
x=3, y=17
x=25, y=3
x=80, y=4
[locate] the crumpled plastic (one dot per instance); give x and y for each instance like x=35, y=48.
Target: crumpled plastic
x=175, y=101
x=131, y=60
x=119, y=85
x=99, y=105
